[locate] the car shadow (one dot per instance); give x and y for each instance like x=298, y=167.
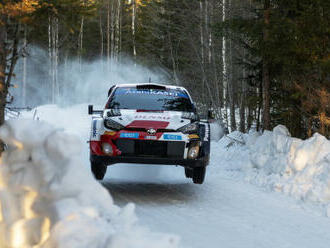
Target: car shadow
x=150, y=193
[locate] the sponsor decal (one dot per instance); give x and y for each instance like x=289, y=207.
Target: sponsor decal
x=150, y=137
x=94, y=131
x=168, y=92
x=153, y=117
x=129, y=135
x=172, y=137
x=207, y=132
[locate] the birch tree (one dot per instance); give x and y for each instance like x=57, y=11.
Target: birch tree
x=265, y=70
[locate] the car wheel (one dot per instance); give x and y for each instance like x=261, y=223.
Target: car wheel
x=188, y=172
x=199, y=175
x=98, y=170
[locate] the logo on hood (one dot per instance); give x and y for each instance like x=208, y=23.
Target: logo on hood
x=151, y=131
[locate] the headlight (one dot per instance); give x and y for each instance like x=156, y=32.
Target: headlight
x=111, y=124
x=193, y=152
x=190, y=128
x=107, y=148
x=189, y=115
x=113, y=112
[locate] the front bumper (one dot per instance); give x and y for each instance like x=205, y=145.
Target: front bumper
x=108, y=160
x=134, y=147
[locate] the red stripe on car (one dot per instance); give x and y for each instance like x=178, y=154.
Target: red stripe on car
x=95, y=147
x=148, y=124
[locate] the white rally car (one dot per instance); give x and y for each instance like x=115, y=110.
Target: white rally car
x=151, y=124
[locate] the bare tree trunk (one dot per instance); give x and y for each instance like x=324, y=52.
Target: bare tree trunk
x=50, y=66
x=259, y=92
x=133, y=29
x=108, y=36
x=3, y=86
x=213, y=65
x=242, y=106
x=265, y=72
x=3, y=64
x=207, y=32
x=231, y=79
x=14, y=56
x=80, y=45
x=117, y=32
x=242, y=111
x=249, y=118
x=56, y=50
x=202, y=40
x=53, y=57
x=101, y=38
x=112, y=36
x=231, y=92
x=224, y=54
x=120, y=32
x=24, y=69
x=173, y=59
x=202, y=31
x=53, y=62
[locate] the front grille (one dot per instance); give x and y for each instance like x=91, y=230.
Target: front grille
x=151, y=148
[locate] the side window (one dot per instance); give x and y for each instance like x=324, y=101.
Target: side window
x=109, y=93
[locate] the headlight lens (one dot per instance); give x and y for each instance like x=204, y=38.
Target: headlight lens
x=107, y=148
x=111, y=124
x=190, y=128
x=113, y=112
x=189, y=115
x=193, y=152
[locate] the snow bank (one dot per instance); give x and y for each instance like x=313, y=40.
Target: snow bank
x=48, y=198
x=216, y=130
x=300, y=168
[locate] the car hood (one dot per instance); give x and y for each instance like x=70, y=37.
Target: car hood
x=136, y=119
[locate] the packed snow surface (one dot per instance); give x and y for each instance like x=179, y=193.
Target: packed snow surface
x=48, y=198
x=239, y=204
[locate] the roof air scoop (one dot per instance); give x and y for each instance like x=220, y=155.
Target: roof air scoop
x=151, y=86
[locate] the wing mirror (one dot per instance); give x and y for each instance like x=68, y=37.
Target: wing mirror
x=91, y=110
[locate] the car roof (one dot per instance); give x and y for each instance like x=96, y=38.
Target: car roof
x=150, y=85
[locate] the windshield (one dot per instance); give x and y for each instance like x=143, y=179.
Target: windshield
x=150, y=99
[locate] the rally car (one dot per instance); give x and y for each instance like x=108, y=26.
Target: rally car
x=150, y=124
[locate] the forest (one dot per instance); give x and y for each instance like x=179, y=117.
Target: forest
x=256, y=63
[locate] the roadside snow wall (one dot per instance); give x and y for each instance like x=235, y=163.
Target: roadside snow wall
x=48, y=197
x=300, y=168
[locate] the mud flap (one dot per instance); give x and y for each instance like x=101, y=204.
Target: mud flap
x=204, y=130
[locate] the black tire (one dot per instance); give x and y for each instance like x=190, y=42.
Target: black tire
x=199, y=175
x=188, y=172
x=98, y=170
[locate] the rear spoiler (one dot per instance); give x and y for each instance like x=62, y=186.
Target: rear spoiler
x=91, y=111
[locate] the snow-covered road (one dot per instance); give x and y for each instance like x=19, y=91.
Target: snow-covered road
x=223, y=212
x=220, y=213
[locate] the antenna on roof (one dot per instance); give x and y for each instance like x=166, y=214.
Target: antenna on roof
x=149, y=79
